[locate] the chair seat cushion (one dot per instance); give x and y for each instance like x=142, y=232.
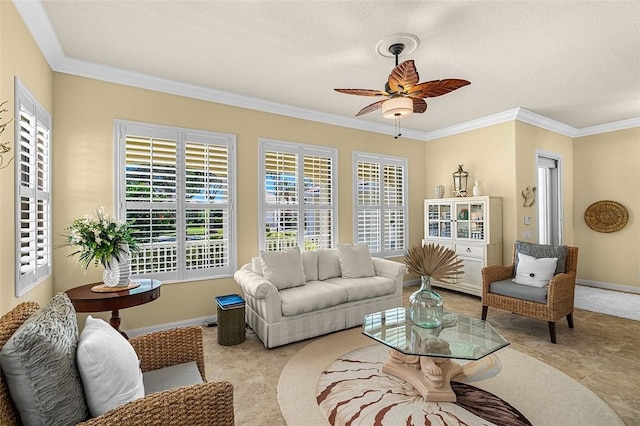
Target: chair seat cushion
x=172, y=377
x=510, y=289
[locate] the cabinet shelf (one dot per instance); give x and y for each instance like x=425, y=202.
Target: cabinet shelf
x=472, y=227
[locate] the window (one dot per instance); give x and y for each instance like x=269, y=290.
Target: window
x=380, y=194
x=33, y=189
x=297, y=197
x=549, y=199
x=177, y=188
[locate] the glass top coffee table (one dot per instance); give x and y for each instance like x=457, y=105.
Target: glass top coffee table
x=423, y=357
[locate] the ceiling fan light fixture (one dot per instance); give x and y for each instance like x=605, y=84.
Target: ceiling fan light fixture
x=397, y=108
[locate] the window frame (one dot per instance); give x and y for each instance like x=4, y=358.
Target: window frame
x=181, y=136
x=35, y=276
x=381, y=207
x=300, y=150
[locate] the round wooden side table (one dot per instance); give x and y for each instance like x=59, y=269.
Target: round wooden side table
x=85, y=300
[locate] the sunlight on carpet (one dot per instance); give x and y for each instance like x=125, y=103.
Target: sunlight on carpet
x=616, y=303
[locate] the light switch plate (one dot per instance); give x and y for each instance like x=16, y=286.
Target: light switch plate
x=527, y=220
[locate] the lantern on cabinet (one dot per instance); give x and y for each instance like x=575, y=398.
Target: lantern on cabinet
x=460, y=182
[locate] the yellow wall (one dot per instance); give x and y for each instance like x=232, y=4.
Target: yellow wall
x=530, y=139
x=488, y=155
x=19, y=56
x=84, y=165
x=606, y=168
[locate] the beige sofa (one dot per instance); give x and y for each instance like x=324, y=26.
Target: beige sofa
x=291, y=296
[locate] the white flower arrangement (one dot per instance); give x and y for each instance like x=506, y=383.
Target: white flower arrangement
x=99, y=239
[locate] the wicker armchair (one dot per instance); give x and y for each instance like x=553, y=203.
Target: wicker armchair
x=559, y=300
x=203, y=404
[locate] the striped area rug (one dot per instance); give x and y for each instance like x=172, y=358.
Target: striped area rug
x=528, y=390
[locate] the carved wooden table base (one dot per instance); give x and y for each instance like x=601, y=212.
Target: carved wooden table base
x=430, y=376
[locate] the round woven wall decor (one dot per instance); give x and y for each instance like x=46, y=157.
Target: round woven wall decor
x=606, y=216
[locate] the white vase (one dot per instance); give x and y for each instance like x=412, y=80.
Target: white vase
x=477, y=189
x=439, y=191
x=117, y=271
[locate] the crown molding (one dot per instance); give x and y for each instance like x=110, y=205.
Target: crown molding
x=543, y=122
x=37, y=21
x=479, y=123
x=609, y=127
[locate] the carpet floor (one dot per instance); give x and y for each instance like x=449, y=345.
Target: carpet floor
x=617, y=303
x=543, y=395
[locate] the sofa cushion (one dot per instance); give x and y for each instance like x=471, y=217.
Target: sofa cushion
x=39, y=362
x=355, y=261
x=313, y=296
x=283, y=268
x=310, y=265
x=172, y=377
x=525, y=292
x=109, y=367
x=365, y=288
x=534, y=272
x=543, y=250
x=328, y=264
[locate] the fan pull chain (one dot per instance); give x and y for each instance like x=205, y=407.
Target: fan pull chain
x=397, y=129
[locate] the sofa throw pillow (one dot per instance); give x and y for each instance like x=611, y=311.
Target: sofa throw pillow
x=39, y=363
x=355, y=261
x=310, y=264
x=328, y=264
x=256, y=265
x=109, y=367
x=535, y=272
x=544, y=250
x=283, y=268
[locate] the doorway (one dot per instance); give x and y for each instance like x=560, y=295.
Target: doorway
x=549, y=194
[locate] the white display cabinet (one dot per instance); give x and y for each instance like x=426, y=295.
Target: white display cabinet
x=472, y=227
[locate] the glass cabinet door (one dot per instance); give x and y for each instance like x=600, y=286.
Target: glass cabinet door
x=439, y=220
x=470, y=220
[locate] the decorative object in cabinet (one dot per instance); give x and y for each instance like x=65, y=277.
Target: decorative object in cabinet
x=472, y=227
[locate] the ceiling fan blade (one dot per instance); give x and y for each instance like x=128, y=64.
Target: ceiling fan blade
x=362, y=92
x=403, y=77
x=431, y=89
x=419, y=105
x=370, y=108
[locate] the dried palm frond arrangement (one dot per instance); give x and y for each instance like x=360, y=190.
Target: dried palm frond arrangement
x=435, y=261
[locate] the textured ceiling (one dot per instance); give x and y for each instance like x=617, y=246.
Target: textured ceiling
x=575, y=62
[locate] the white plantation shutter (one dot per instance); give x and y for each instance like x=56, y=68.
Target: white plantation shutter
x=297, y=196
x=176, y=188
x=380, y=193
x=33, y=209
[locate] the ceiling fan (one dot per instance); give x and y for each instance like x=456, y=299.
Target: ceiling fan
x=403, y=94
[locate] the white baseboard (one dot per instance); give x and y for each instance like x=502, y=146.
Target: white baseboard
x=608, y=286
x=194, y=321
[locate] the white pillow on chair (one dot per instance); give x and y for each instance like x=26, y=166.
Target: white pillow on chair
x=535, y=272
x=109, y=367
